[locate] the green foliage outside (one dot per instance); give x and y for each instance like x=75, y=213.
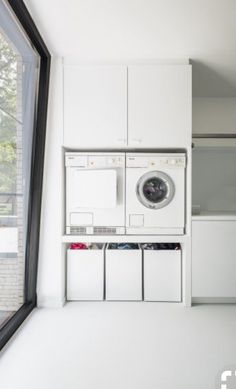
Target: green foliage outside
x=8, y=122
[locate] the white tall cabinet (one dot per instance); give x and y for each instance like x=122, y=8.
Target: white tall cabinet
x=213, y=259
x=214, y=201
x=95, y=106
x=159, y=105
x=126, y=107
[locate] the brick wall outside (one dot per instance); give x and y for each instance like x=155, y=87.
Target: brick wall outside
x=9, y=300
x=12, y=269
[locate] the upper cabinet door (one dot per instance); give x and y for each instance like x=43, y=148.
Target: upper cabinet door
x=95, y=106
x=159, y=106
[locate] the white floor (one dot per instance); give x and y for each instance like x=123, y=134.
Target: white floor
x=121, y=346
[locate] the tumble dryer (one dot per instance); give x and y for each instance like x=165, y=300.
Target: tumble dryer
x=155, y=193
x=95, y=193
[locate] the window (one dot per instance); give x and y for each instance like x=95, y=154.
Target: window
x=24, y=79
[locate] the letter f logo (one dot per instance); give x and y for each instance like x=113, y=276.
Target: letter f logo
x=224, y=377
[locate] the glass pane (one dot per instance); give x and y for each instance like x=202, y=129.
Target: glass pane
x=18, y=90
x=155, y=190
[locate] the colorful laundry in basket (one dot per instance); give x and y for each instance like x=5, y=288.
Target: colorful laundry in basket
x=123, y=246
x=161, y=246
x=95, y=246
x=78, y=246
x=83, y=246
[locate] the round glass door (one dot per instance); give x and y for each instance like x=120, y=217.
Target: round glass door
x=155, y=190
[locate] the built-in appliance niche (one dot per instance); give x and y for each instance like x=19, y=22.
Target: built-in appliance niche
x=214, y=220
x=214, y=177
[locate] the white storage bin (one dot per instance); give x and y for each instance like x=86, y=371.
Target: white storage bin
x=162, y=274
x=85, y=274
x=123, y=273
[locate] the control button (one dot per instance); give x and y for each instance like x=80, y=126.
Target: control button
x=164, y=161
x=112, y=161
x=173, y=162
x=120, y=161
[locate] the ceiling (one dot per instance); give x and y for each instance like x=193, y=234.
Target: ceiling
x=120, y=30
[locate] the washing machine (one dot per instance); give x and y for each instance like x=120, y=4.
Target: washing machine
x=155, y=193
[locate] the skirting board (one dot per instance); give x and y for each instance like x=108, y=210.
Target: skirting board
x=50, y=302
x=214, y=300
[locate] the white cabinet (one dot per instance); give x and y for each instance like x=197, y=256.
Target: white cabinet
x=123, y=274
x=148, y=104
x=213, y=259
x=159, y=105
x=95, y=106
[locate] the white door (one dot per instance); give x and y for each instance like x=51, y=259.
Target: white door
x=95, y=106
x=91, y=188
x=159, y=106
x=213, y=259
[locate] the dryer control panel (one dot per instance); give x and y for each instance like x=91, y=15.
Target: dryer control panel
x=94, y=161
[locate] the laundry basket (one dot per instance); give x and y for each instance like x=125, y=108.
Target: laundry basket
x=85, y=272
x=162, y=272
x=123, y=263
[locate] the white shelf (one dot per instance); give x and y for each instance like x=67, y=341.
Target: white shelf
x=125, y=238
x=215, y=216
x=205, y=143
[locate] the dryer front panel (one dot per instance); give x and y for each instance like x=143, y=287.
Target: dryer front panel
x=95, y=194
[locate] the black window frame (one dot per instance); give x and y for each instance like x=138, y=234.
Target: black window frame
x=37, y=166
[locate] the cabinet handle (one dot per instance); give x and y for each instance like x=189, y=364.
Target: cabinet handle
x=121, y=141
x=136, y=141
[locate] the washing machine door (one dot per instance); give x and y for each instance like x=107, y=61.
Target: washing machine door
x=155, y=189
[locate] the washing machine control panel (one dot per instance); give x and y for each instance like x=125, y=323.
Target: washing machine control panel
x=174, y=161
x=177, y=161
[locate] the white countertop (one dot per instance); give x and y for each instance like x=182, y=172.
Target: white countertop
x=125, y=238
x=203, y=216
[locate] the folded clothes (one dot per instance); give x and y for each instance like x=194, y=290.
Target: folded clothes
x=123, y=246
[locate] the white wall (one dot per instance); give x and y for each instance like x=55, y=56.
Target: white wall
x=112, y=30
x=214, y=115
x=147, y=29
